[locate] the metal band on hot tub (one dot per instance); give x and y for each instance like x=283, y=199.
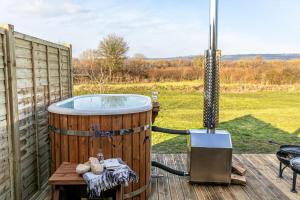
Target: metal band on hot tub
x=98, y=133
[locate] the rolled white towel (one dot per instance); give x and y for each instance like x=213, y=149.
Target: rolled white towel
x=83, y=168
x=96, y=167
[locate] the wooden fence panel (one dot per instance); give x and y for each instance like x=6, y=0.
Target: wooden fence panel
x=39, y=73
x=5, y=148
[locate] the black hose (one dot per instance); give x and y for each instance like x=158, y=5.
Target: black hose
x=170, y=131
x=168, y=169
x=164, y=167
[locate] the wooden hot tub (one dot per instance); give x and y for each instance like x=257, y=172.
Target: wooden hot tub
x=118, y=124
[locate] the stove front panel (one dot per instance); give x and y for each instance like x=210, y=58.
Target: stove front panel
x=210, y=157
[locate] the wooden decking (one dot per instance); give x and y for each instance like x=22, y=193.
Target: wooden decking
x=262, y=181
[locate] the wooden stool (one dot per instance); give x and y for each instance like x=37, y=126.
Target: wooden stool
x=69, y=185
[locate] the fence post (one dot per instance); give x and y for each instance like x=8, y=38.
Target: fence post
x=59, y=74
x=13, y=110
x=8, y=123
x=70, y=68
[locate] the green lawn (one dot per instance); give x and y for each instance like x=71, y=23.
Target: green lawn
x=253, y=114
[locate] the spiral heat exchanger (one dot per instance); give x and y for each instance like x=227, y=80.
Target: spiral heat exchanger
x=211, y=89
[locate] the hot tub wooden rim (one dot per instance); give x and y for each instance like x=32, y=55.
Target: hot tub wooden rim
x=56, y=109
x=95, y=113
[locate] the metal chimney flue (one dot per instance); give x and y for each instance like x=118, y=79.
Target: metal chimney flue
x=213, y=25
x=211, y=74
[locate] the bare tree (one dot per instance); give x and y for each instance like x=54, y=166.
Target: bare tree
x=89, y=54
x=92, y=69
x=139, y=56
x=113, y=49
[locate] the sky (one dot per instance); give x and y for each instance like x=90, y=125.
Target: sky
x=160, y=28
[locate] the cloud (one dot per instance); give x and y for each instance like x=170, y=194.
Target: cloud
x=238, y=42
x=156, y=29
x=46, y=8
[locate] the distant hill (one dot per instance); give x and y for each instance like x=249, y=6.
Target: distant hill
x=265, y=56
x=241, y=56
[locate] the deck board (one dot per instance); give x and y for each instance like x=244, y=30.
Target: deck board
x=262, y=181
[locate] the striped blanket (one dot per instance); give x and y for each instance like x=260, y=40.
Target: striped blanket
x=109, y=179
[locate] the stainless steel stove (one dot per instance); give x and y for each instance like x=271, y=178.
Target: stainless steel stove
x=209, y=156
x=210, y=150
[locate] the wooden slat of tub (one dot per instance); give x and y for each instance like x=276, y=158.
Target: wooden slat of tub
x=94, y=142
x=57, y=141
x=136, y=151
x=52, y=141
x=143, y=121
x=148, y=153
x=117, y=140
x=83, y=142
x=127, y=147
x=73, y=139
x=105, y=125
x=64, y=140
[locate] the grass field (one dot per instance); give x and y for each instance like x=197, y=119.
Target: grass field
x=253, y=114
